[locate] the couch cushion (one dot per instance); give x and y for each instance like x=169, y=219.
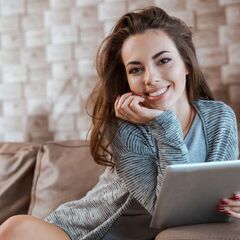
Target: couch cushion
x=212, y=231
x=64, y=171
x=17, y=161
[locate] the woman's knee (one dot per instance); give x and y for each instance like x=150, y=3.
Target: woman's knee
x=15, y=227
x=26, y=227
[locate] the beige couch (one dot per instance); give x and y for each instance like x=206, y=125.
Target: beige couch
x=36, y=178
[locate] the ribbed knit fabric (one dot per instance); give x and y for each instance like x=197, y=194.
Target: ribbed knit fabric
x=142, y=153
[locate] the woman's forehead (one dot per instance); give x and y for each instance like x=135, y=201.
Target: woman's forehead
x=147, y=44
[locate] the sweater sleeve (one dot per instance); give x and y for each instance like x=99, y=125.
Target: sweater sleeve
x=221, y=130
x=142, y=153
x=232, y=149
x=225, y=144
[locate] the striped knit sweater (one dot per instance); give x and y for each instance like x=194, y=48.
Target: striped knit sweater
x=142, y=153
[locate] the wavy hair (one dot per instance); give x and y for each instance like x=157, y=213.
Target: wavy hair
x=112, y=75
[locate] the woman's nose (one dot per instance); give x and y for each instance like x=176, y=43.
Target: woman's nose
x=151, y=77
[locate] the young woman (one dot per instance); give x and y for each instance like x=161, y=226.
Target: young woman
x=152, y=108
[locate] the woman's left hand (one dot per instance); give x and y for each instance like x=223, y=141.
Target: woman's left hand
x=231, y=206
x=131, y=108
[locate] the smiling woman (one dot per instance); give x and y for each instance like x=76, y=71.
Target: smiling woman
x=152, y=108
x=156, y=73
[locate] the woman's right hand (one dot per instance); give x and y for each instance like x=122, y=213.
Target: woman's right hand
x=131, y=108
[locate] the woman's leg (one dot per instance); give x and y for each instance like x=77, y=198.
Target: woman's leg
x=26, y=227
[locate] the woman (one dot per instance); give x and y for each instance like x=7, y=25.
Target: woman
x=152, y=108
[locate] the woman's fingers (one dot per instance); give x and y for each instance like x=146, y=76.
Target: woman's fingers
x=235, y=196
x=230, y=206
x=123, y=107
x=118, y=104
x=121, y=100
x=231, y=202
x=129, y=107
x=135, y=104
x=234, y=214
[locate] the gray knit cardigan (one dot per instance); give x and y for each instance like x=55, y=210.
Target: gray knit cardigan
x=142, y=153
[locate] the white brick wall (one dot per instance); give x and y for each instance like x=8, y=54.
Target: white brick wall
x=65, y=123
x=11, y=91
x=83, y=3
x=71, y=104
x=37, y=38
x=37, y=6
x=65, y=34
x=9, y=57
x=230, y=73
x=14, y=108
x=38, y=106
x=48, y=49
x=65, y=70
x=59, y=4
x=85, y=17
x=86, y=67
x=234, y=54
x=14, y=73
x=212, y=56
x=11, y=124
x=32, y=21
x=12, y=7
x=57, y=53
x=12, y=40
x=33, y=57
x=111, y=10
x=35, y=90
x=39, y=74
x=9, y=23
x=56, y=17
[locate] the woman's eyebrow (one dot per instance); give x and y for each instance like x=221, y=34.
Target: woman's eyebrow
x=153, y=57
x=158, y=54
x=133, y=62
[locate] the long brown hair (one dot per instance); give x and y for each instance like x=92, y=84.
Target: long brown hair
x=112, y=76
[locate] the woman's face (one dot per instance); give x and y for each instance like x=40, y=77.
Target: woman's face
x=155, y=70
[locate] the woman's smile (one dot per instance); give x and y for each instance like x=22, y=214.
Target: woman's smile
x=157, y=93
x=157, y=97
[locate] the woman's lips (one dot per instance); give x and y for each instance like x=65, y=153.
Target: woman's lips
x=157, y=95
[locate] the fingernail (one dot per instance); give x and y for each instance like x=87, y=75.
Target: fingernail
x=221, y=206
x=235, y=197
x=223, y=201
x=228, y=213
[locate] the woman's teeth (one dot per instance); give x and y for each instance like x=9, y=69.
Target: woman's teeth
x=158, y=93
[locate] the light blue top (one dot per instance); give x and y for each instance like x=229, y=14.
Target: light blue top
x=195, y=141
x=141, y=154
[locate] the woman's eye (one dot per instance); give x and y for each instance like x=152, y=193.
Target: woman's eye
x=135, y=70
x=164, y=61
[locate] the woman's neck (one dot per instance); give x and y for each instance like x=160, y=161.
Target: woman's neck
x=185, y=116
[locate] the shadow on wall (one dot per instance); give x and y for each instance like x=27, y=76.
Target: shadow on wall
x=63, y=101
x=37, y=129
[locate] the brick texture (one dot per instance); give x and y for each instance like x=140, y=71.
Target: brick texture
x=48, y=49
x=210, y=17
x=12, y=7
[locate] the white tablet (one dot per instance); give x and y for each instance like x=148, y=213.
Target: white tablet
x=191, y=193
